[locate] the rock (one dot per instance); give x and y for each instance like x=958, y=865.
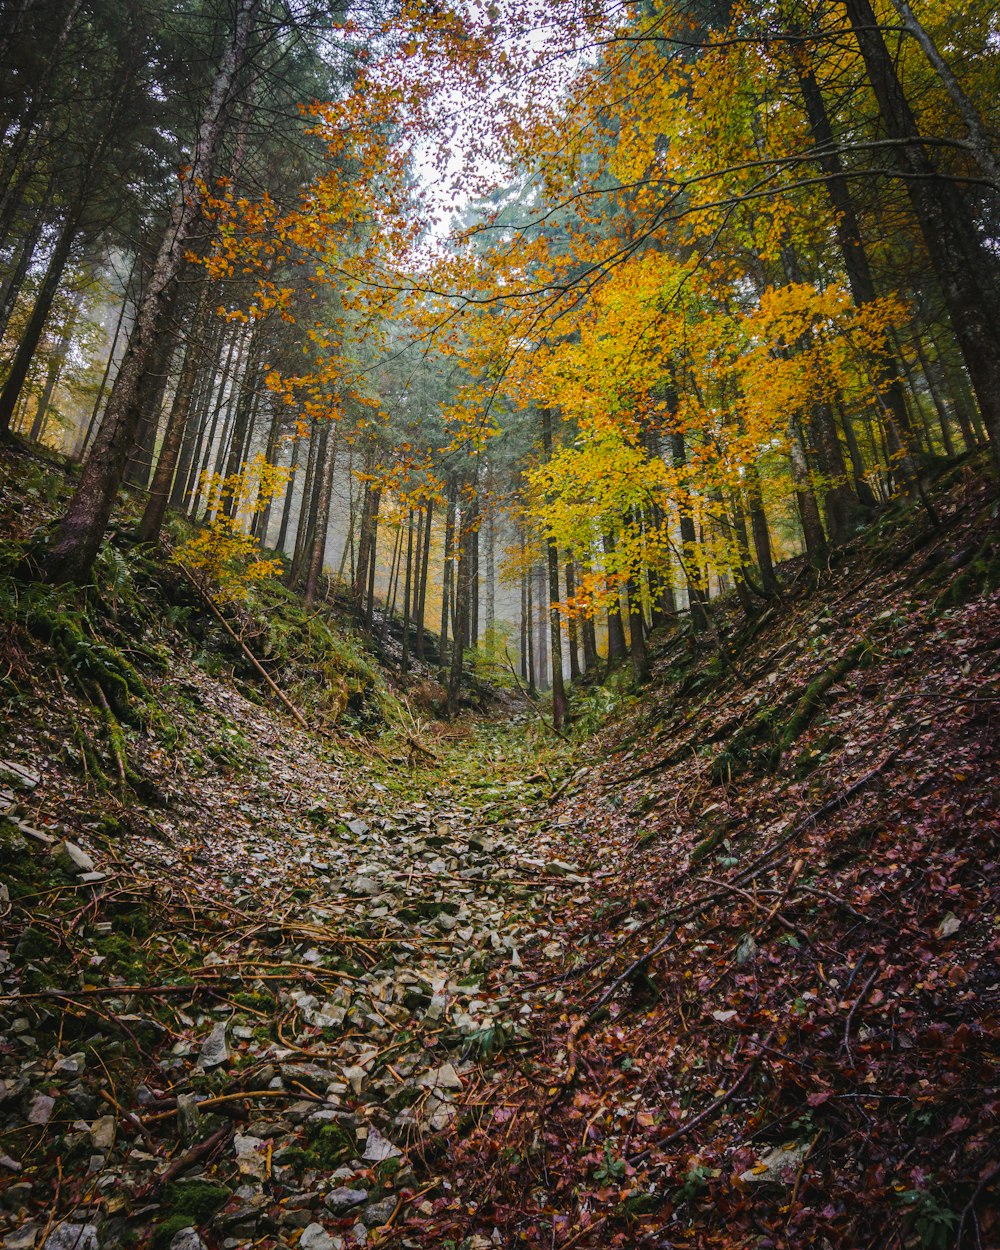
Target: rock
x=358, y=827
x=18, y=1195
x=215, y=1049
x=379, y=1148
x=249, y=1159
x=18, y=776
x=186, y=1239
x=296, y=1219
x=40, y=1111
x=559, y=868
x=376, y=1214
x=72, y=859
x=444, y=1077
x=356, y=1076
x=362, y=887
x=92, y=878
x=72, y=1237
x=33, y=834
x=71, y=1065
x=102, y=1133
x=779, y=1166
x=188, y=1117
x=315, y=1237
x=342, y=1199
x=22, y=1238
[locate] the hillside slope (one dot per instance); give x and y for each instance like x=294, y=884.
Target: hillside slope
x=778, y=1023
x=723, y=974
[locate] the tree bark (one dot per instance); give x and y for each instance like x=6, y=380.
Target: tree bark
x=964, y=267
x=79, y=536
x=28, y=345
x=159, y=491
x=318, y=550
x=425, y=563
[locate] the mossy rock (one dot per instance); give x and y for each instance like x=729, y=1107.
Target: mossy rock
x=330, y=1145
x=196, y=1201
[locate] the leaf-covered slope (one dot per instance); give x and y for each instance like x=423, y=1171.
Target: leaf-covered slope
x=777, y=1024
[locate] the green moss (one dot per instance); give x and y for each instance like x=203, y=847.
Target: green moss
x=196, y=1201
x=35, y=944
x=331, y=1144
x=123, y=955
x=258, y=1000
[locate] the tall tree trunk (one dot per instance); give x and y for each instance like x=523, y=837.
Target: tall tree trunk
x=425, y=563
x=761, y=534
x=79, y=536
x=463, y=531
x=591, y=659
x=407, y=591
x=542, y=624
x=325, y=477
x=56, y=361
x=159, y=491
x=616, y=629
x=286, y=509
x=491, y=568
x=852, y=248
x=32, y=334
x=84, y=442
x=697, y=595
x=636, y=630
x=262, y=520
x=152, y=387
x=978, y=139
x=376, y=499
x=309, y=504
x=572, y=631
x=217, y=400
x=812, y=527
x=14, y=281
x=965, y=269
x=447, y=572
x=245, y=404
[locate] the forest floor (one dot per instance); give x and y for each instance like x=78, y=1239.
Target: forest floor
x=721, y=973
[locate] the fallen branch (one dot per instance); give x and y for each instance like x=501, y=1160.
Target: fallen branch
x=190, y=1157
x=865, y=990
x=713, y=1109
x=206, y=598
x=530, y=702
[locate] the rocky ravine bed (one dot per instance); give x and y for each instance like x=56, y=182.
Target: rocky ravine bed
x=246, y=1019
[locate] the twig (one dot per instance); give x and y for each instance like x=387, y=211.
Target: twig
x=854, y=1006
x=530, y=702
x=272, y=686
x=713, y=1109
x=189, y=1157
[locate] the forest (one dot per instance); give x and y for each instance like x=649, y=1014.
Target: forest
x=499, y=576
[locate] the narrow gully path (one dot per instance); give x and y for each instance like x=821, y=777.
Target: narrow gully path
x=267, y=1008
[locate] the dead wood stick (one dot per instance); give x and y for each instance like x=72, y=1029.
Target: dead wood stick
x=773, y=914
x=854, y=1006
x=129, y=1117
x=192, y=1156
x=713, y=1109
x=530, y=702
x=207, y=1103
x=825, y=809
x=272, y=685
x=419, y=746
